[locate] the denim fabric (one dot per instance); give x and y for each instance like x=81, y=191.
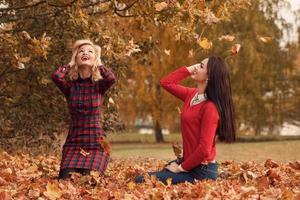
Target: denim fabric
x=209, y=171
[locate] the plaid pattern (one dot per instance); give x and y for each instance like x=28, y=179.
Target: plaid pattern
x=82, y=148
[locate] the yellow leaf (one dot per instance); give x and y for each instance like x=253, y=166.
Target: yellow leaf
x=45, y=81
x=32, y=169
x=169, y=181
x=205, y=43
x=191, y=53
x=161, y=6
x=227, y=38
x=131, y=185
x=53, y=192
x=265, y=39
x=235, y=49
x=167, y=52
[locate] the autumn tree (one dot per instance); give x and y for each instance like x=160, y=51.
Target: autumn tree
x=36, y=36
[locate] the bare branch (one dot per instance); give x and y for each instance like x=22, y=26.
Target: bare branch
x=62, y=6
x=117, y=10
x=22, y=7
x=127, y=7
x=95, y=3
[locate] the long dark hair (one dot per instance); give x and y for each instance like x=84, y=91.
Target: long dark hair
x=218, y=90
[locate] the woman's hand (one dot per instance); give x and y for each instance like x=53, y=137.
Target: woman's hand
x=173, y=167
x=73, y=59
x=193, y=68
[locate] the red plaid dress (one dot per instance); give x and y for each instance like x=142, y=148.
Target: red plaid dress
x=82, y=148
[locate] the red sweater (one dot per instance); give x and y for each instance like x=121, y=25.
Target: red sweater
x=198, y=122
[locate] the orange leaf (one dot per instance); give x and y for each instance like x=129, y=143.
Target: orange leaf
x=105, y=145
x=177, y=149
x=205, y=43
x=83, y=152
x=287, y=195
x=161, y=6
x=271, y=164
x=295, y=165
x=53, y=192
x=263, y=183
x=5, y=195
x=235, y=49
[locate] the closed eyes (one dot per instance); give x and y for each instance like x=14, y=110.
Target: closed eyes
x=201, y=65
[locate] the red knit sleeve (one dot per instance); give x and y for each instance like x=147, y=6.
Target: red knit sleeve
x=58, y=78
x=108, y=79
x=209, y=124
x=171, y=83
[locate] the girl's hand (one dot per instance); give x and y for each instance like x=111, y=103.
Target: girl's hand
x=73, y=59
x=193, y=68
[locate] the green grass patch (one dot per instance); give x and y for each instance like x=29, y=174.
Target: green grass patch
x=280, y=151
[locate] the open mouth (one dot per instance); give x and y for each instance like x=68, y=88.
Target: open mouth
x=84, y=58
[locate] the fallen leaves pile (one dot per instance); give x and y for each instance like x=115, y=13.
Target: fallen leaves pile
x=28, y=177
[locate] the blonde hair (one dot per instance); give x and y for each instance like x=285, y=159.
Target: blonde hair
x=96, y=76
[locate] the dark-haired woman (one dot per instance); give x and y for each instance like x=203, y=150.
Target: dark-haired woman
x=207, y=114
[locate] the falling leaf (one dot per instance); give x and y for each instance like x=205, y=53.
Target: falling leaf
x=265, y=39
x=52, y=191
x=25, y=35
x=167, y=52
x=105, y=145
x=83, y=152
x=111, y=101
x=45, y=81
x=21, y=65
x=178, y=109
x=227, y=38
x=211, y=18
x=191, y=53
x=235, y=49
x=177, y=37
x=161, y=6
x=24, y=59
x=177, y=149
x=205, y=43
x=132, y=48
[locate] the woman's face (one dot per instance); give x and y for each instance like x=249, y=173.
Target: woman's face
x=86, y=56
x=200, y=73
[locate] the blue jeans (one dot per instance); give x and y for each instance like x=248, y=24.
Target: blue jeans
x=209, y=171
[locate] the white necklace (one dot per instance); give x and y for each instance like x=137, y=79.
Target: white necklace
x=198, y=98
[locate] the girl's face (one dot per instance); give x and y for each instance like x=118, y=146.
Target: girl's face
x=200, y=73
x=86, y=56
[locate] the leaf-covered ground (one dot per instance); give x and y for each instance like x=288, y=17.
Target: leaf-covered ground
x=27, y=177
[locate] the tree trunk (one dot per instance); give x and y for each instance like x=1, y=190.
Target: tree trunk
x=158, y=132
